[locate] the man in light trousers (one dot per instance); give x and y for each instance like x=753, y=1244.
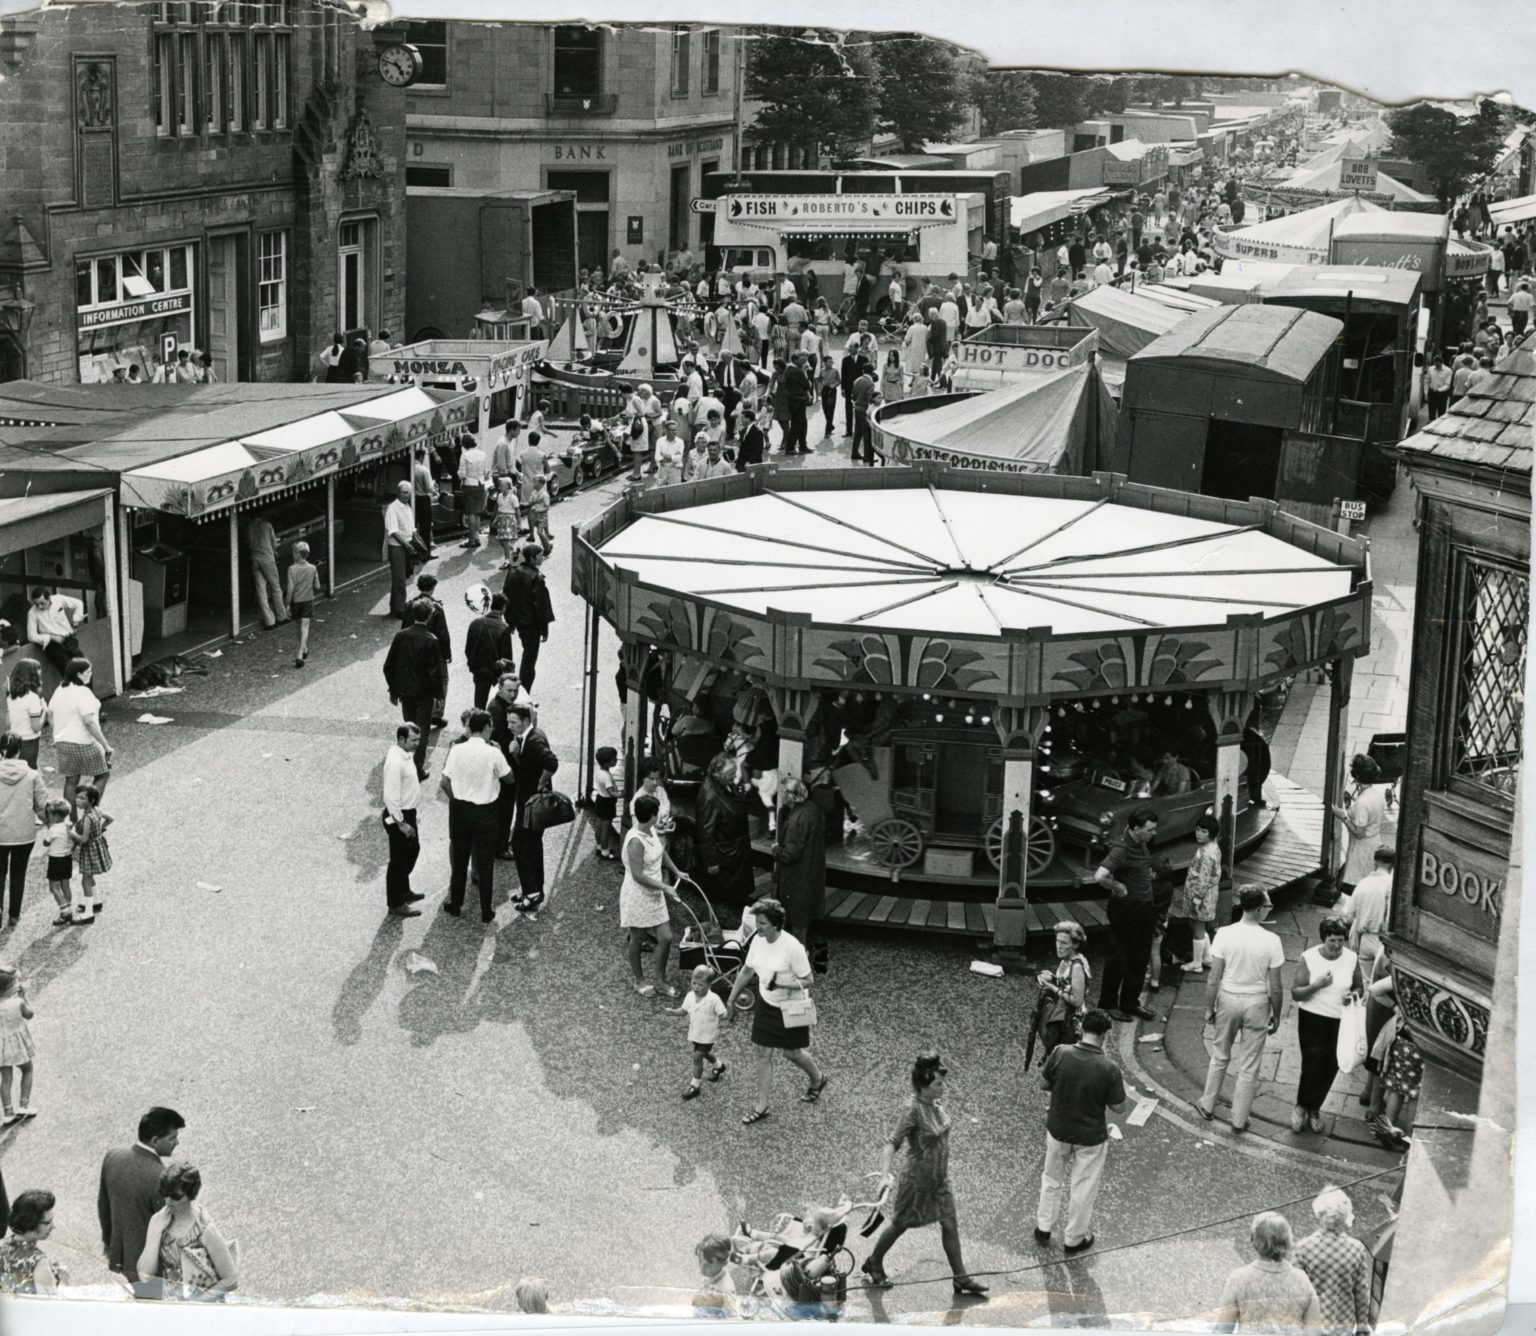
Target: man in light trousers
x=261, y=539
x=1242, y=1004
x=1084, y=1082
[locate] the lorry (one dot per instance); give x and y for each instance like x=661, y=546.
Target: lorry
x=469, y=250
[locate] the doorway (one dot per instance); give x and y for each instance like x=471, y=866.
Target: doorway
x=224, y=322
x=1241, y=460
x=677, y=238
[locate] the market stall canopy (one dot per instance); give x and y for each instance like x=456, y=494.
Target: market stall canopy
x=1328, y=179
x=1509, y=211
x=1300, y=238
x=1493, y=426
x=1035, y=425
x=1128, y=321
x=1269, y=342
x=32, y=521
x=985, y=564
x=1041, y=208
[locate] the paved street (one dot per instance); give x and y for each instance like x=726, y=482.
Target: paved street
x=364, y=1131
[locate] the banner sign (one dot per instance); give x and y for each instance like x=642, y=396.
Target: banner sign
x=1357, y=174
x=815, y=211
x=1005, y=357
x=126, y=313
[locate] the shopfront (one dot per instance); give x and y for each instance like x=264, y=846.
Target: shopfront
x=1455, y=902
x=134, y=308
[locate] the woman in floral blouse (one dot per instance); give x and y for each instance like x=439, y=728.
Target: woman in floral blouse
x=1195, y=900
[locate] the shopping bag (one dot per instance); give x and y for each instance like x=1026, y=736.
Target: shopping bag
x=1352, y=1049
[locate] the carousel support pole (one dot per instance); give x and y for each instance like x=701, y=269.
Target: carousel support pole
x=122, y=668
x=634, y=656
x=234, y=572
x=1229, y=710
x=589, y=715
x=1018, y=729
x=1341, y=673
x=124, y=540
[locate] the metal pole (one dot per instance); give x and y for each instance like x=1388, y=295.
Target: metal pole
x=114, y=597
x=589, y=690
x=234, y=573
x=330, y=536
x=740, y=69
x=125, y=573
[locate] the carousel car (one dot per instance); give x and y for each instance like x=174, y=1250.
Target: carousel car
x=1094, y=808
x=584, y=460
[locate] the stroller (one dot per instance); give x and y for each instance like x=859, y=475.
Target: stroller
x=704, y=942
x=798, y=1271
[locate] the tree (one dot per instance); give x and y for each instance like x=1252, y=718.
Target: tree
x=818, y=90
x=1006, y=99
x=923, y=95
x=1453, y=150
x=1059, y=100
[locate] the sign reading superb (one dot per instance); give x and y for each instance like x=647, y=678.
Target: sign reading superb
x=800, y=209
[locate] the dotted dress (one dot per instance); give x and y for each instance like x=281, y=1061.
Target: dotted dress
x=15, y=1035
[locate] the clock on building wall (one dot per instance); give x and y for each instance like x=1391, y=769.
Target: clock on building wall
x=400, y=65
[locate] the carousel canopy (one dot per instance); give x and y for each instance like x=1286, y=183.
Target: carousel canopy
x=1327, y=179
x=1033, y=424
x=972, y=563
x=1301, y=238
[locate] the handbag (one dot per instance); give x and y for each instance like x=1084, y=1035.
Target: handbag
x=798, y=1012
x=546, y=809
x=1352, y=1049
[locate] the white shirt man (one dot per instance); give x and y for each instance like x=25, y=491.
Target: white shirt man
x=55, y=620
x=476, y=769
x=1367, y=909
x=988, y=251
x=400, y=519
x=1103, y=275
x=810, y=344
x=1242, y=999
x=794, y=315
x=761, y=323
x=402, y=800
x=949, y=313
x=695, y=385
x=786, y=291
x=896, y=292
x=472, y=777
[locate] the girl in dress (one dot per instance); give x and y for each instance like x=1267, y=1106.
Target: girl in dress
x=16, y=1047
x=91, y=845
x=27, y=709
x=504, y=527
x=893, y=381
x=1195, y=900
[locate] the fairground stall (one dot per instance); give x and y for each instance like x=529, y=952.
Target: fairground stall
x=498, y=374
x=1000, y=355
x=989, y=672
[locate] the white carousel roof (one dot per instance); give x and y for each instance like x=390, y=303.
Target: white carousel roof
x=971, y=563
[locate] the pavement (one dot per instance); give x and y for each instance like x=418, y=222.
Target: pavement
x=418, y=1113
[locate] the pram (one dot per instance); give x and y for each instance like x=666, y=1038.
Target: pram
x=805, y=1276
x=704, y=942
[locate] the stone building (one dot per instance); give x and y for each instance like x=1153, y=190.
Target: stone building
x=630, y=118
x=226, y=177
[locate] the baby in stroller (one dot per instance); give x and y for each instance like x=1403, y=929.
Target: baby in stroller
x=802, y=1262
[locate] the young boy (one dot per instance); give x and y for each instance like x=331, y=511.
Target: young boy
x=705, y=1011
x=300, y=588
x=538, y=515
x=605, y=803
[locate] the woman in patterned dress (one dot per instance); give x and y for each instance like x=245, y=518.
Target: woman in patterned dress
x=1338, y=1265
x=183, y=1247
x=922, y=1195
x=1195, y=900
x=23, y=1267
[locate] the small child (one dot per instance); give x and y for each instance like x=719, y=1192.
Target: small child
x=91, y=838
x=506, y=523
x=300, y=588
x=59, y=836
x=605, y=804
x=16, y=1047
x=532, y=1295
x=705, y=1011
x=716, y=1297
x=538, y=515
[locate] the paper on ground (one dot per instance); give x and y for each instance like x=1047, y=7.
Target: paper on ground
x=157, y=691
x=988, y=968
x=1141, y=1112
x=147, y=718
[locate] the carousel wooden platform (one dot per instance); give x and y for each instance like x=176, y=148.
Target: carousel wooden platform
x=1286, y=850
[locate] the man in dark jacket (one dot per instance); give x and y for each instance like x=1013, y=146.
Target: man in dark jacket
x=754, y=440
x=532, y=759
x=850, y=372
x=426, y=592
x=800, y=859
x=486, y=643
x=724, y=847
x=797, y=399
x=859, y=395
x=130, y=1189
x=529, y=609
x=414, y=672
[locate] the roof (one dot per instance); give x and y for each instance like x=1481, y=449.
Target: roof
x=1128, y=150
x=488, y=193
x=1300, y=238
x=1127, y=321
x=1513, y=210
x=1327, y=176
x=1286, y=343
x=1041, y=208
x=1389, y=287
x=1422, y=226
x=1493, y=426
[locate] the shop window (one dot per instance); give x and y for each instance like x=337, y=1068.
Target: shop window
x=428, y=176
x=1490, y=668
x=680, y=45
x=578, y=62
x=709, y=72
x=431, y=39
x=272, y=285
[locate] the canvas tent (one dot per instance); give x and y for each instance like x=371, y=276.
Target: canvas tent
x=1326, y=180
x=1041, y=424
x=1128, y=321
x=1301, y=238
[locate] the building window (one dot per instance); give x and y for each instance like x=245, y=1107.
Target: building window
x=578, y=62
x=215, y=82
x=1490, y=667
x=209, y=59
x=165, y=84
x=428, y=176
x=431, y=39
x=186, y=83
x=125, y=304
x=709, y=77
x=680, y=61
x=271, y=39
x=272, y=285
x=238, y=55
x=354, y=275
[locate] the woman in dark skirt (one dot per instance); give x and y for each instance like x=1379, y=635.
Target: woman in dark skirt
x=782, y=971
x=922, y=1195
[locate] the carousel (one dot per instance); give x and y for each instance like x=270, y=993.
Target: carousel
x=977, y=677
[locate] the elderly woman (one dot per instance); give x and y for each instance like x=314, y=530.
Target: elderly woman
x=643, y=908
x=800, y=858
x=79, y=746
x=183, y=1247
x=1338, y=1265
x=1362, y=814
x=1326, y=975
x=1066, y=990
x=1269, y=1294
x=23, y=1267
x=923, y=1195
x=724, y=847
x=778, y=964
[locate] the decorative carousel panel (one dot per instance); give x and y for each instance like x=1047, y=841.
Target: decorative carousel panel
x=1315, y=636
x=1438, y=1013
x=903, y=661
x=1187, y=659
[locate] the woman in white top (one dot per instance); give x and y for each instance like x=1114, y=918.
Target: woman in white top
x=651, y=787
x=1362, y=815
x=643, y=909
x=79, y=746
x=778, y=964
x=1326, y=975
